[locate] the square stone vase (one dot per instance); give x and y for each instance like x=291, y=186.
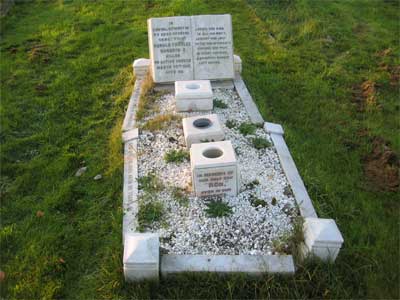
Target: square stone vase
x=214, y=169
x=193, y=95
x=200, y=129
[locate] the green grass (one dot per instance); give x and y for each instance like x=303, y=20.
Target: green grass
x=176, y=156
x=66, y=78
x=150, y=183
x=150, y=210
x=217, y=209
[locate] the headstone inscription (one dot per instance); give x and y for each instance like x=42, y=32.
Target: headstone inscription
x=190, y=48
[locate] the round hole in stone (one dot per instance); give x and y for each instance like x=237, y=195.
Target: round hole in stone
x=202, y=123
x=193, y=86
x=213, y=153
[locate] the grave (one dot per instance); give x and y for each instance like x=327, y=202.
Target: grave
x=194, y=55
x=193, y=95
x=202, y=128
x=214, y=169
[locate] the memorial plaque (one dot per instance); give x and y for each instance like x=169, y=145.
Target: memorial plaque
x=170, y=44
x=187, y=48
x=212, y=47
x=214, y=169
x=215, y=181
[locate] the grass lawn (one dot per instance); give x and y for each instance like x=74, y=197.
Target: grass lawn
x=328, y=71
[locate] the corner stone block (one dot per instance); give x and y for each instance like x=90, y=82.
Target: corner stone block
x=273, y=128
x=141, y=256
x=322, y=239
x=237, y=63
x=141, y=67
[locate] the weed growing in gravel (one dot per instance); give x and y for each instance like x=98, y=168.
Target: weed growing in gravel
x=180, y=195
x=230, y=124
x=147, y=97
x=150, y=183
x=260, y=143
x=149, y=212
x=252, y=184
x=247, y=128
x=218, y=208
x=256, y=202
x=289, y=243
x=176, y=156
x=219, y=104
x=160, y=121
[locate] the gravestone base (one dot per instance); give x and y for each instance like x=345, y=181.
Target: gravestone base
x=215, y=84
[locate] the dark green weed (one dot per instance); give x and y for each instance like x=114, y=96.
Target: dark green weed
x=150, y=183
x=260, y=143
x=247, y=128
x=218, y=208
x=230, y=124
x=176, y=156
x=219, y=104
x=149, y=211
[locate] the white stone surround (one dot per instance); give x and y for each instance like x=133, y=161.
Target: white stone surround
x=171, y=264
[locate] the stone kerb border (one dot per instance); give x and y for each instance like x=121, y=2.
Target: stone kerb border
x=323, y=239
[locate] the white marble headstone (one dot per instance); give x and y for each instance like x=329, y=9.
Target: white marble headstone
x=190, y=48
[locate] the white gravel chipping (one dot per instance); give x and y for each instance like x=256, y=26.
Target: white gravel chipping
x=186, y=228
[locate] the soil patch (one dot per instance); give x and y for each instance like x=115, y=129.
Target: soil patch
x=364, y=95
x=381, y=166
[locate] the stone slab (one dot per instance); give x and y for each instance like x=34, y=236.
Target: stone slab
x=130, y=188
x=170, y=45
x=215, y=84
x=212, y=47
x=226, y=264
x=273, y=128
x=129, y=120
x=130, y=135
x=289, y=167
x=191, y=47
x=247, y=100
